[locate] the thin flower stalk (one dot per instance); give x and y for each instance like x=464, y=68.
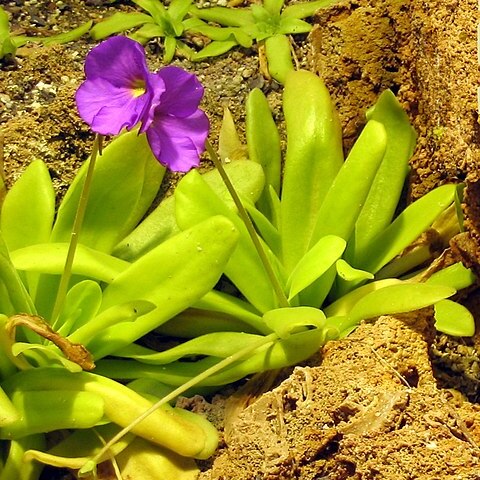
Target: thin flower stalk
x=77, y=227
x=282, y=299
x=91, y=464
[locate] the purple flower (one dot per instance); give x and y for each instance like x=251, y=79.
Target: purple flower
x=179, y=128
x=120, y=92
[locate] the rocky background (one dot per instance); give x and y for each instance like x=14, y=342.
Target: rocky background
x=394, y=401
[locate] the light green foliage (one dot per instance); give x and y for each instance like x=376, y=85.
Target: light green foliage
x=172, y=24
x=398, y=299
x=61, y=409
x=315, y=263
x=268, y=24
x=378, y=211
x=7, y=45
x=327, y=227
x=110, y=304
x=322, y=196
x=308, y=222
x=195, y=201
x=157, y=22
x=452, y=319
x=313, y=158
x=191, y=263
x=15, y=466
x=82, y=443
x=135, y=457
x=120, y=405
x=160, y=225
x=33, y=195
x=263, y=141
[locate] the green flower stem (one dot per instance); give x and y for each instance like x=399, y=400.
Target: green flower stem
x=3, y=187
x=77, y=226
x=90, y=465
x=282, y=299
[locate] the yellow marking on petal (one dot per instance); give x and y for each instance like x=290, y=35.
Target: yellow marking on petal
x=138, y=88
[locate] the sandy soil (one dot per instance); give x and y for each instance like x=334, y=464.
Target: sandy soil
x=369, y=410
x=394, y=401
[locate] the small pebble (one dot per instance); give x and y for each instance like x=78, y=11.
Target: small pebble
x=6, y=100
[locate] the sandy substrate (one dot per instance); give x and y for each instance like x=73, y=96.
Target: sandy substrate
x=369, y=410
x=370, y=406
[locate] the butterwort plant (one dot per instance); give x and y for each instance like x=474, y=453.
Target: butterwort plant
x=338, y=252
x=134, y=302
x=175, y=130
x=110, y=303
x=47, y=371
x=120, y=92
x=268, y=23
x=174, y=24
x=161, y=277
x=61, y=317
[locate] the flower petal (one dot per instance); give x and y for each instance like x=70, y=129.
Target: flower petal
x=177, y=142
x=156, y=88
x=107, y=109
x=183, y=92
x=111, y=97
x=120, y=60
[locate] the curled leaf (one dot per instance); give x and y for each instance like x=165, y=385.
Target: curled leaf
x=73, y=351
x=286, y=321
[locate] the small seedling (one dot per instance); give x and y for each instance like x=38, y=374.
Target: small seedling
x=269, y=25
x=172, y=24
x=9, y=43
